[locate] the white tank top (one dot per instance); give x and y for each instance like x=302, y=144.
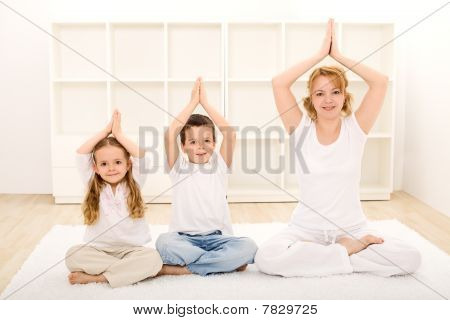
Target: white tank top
x=328, y=176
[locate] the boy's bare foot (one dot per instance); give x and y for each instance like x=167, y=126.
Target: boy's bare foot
x=242, y=268
x=354, y=246
x=173, y=270
x=84, y=278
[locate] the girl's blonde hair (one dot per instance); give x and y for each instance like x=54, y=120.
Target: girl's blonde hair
x=90, y=207
x=337, y=76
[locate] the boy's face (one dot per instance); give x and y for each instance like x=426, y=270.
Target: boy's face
x=110, y=164
x=199, y=144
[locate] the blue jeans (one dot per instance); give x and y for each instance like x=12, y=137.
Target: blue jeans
x=206, y=254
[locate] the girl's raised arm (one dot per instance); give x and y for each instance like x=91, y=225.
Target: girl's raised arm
x=287, y=106
x=89, y=145
x=128, y=144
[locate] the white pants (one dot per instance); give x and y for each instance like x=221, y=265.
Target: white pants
x=297, y=251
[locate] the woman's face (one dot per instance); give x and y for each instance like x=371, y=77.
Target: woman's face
x=326, y=98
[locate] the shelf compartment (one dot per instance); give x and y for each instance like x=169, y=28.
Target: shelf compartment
x=251, y=104
x=188, y=54
x=376, y=171
x=254, y=50
x=369, y=44
x=137, y=50
x=262, y=156
x=79, y=108
x=383, y=124
x=144, y=109
x=89, y=40
x=302, y=42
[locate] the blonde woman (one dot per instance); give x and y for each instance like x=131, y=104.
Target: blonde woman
x=328, y=232
x=113, y=211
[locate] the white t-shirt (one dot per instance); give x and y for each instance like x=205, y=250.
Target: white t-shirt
x=114, y=226
x=329, y=176
x=199, y=203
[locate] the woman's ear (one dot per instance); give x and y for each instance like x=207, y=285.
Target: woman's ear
x=94, y=167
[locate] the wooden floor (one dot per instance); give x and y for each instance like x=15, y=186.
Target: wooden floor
x=25, y=219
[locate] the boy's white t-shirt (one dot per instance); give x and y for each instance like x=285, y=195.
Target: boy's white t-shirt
x=114, y=226
x=199, y=203
x=328, y=176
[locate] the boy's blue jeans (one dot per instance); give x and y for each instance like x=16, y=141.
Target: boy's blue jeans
x=206, y=254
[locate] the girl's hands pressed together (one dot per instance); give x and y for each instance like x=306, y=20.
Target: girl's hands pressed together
x=116, y=125
x=108, y=129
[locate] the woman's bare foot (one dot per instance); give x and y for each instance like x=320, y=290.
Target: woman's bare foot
x=173, y=270
x=242, y=268
x=354, y=246
x=84, y=278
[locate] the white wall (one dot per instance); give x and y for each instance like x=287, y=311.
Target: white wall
x=24, y=65
x=24, y=101
x=427, y=122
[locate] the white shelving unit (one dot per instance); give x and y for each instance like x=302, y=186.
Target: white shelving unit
x=146, y=70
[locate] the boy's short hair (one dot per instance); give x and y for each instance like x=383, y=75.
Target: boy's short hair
x=197, y=120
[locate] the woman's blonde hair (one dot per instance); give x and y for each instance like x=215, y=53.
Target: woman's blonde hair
x=90, y=207
x=337, y=76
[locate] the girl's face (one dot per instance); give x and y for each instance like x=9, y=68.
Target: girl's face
x=199, y=144
x=326, y=98
x=111, y=164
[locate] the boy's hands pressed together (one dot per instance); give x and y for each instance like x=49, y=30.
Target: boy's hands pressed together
x=195, y=93
x=203, y=97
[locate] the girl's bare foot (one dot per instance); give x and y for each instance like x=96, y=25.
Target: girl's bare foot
x=173, y=270
x=354, y=246
x=84, y=278
x=242, y=268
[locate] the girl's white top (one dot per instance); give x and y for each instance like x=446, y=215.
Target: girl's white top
x=199, y=204
x=328, y=176
x=114, y=226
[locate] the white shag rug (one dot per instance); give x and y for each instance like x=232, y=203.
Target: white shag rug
x=434, y=275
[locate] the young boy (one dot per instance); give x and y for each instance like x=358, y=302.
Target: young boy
x=200, y=237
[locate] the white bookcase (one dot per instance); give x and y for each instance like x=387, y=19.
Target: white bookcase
x=146, y=69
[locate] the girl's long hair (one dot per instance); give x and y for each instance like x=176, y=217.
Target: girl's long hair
x=90, y=207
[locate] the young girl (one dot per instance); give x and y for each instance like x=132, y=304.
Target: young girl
x=199, y=239
x=328, y=233
x=114, y=213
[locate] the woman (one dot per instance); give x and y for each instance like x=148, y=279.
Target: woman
x=328, y=232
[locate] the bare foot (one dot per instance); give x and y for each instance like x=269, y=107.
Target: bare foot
x=173, y=270
x=354, y=246
x=84, y=278
x=242, y=268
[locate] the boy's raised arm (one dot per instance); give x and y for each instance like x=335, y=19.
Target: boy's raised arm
x=228, y=132
x=171, y=134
